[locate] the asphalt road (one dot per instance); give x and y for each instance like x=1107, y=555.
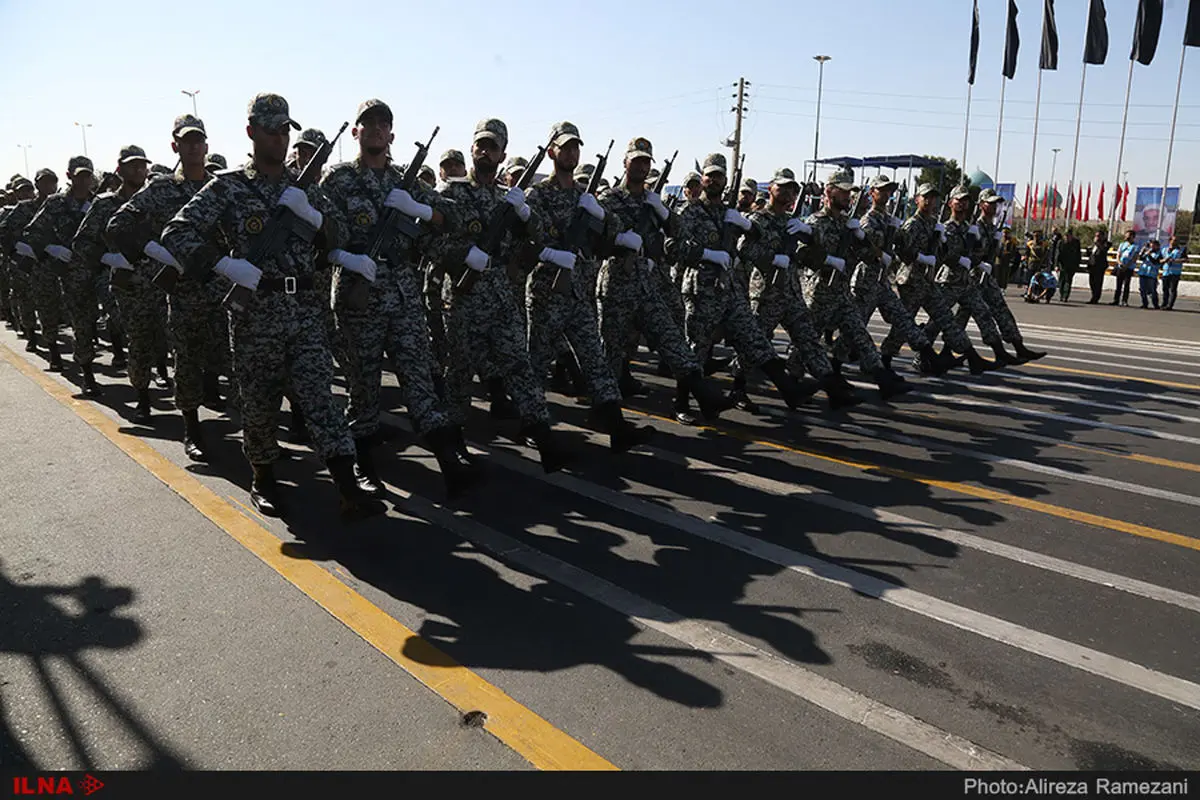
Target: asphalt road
x=990, y=573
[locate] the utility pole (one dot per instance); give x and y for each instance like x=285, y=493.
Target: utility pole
x=193, y=96
x=820, y=86
x=25, y=147
x=738, y=111
x=83, y=130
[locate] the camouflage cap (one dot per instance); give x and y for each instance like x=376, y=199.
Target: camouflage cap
x=784, y=176
x=988, y=196
x=452, y=155
x=584, y=172
x=882, y=181
x=79, y=164
x=563, y=132
x=45, y=172
x=426, y=171
x=959, y=191
x=927, y=189
x=310, y=137
x=842, y=179
x=492, y=129
x=714, y=162
x=270, y=111
x=515, y=163
x=691, y=177
x=762, y=196
x=376, y=106
x=639, y=147
x=21, y=183
x=216, y=160
x=749, y=185
x=160, y=169
x=132, y=152
x=185, y=124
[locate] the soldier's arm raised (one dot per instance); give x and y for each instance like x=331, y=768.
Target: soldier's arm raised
x=190, y=234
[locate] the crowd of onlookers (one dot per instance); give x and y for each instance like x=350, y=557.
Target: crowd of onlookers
x=1045, y=266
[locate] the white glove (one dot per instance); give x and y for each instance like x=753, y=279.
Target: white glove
x=591, y=205
x=361, y=263
x=559, y=258
x=735, y=217
x=718, y=257
x=856, y=226
x=295, y=199
x=25, y=250
x=999, y=236
x=57, y=251
x=515, y=197
x=895, y=222
x=973, y=231
x=925, y=259
x=986, y=267
x=240, y=271
x=837, y=263
x=115, y=261
x=796, y=225
x=403, y=202
x=781, y=261
x=477, y=259
x=655, y=201
x=940, y=228
x=886, y=259
x=650, y=264
x=964, y=262
x=161, y=254
x=630, y=240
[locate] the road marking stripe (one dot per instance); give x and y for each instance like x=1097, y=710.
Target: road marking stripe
x=1113, y=376
x=1084, y=387
x=1088, y=332
x=516, y=726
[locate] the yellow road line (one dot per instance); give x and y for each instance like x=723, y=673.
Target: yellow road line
x=967, y=489
x=1155, y=381
x=528, y=734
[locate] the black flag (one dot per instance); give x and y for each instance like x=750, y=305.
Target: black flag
x=1012, y=42
x=1095, y=48
x=1191, y=34
x=1049, y=58
x=974, y=43
x=1145, y=35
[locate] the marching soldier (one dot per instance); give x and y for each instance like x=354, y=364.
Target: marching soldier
x=215, y=162
x=307, y=144
x=24, y=259
x=22, y=197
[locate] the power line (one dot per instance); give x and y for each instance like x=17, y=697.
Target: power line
x=959, y=99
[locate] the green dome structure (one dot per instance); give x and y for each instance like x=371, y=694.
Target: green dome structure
x=981, y=179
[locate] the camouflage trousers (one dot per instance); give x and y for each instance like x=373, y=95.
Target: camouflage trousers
x=83, y=305
x=711, y=303
x=569, y=314
x=21, y=288
x=5, y=290
x=47, y=299
x=435, y=311
x=197, y=324
x=832, y=307
x=393, y=321
x=878, y=294
x=483, y=337
x=144, y=317
x=279, y=346
x=628, y=301
x=918, y=293
x=783, y=303
x=669, y=291
x=969, y=299
x=323, y=286
x=1003, y=316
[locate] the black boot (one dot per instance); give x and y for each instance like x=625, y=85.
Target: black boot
x=978, y=364
x=90, y=387
x=141, y=414
x=712, y=401
x=459, y=471
x=365, y=473
x=32, y=345
x=1005, y=358
x=264, y=491
x=788, y=386
x=297, y=432
x=739, y=397
x=161, y=379
x=212, y=392
x=56, y=364
x=502, y=407
x=891, y=385
x=663, y=370
x=579, y=384
x=715, y=365
x=840, y=393
x=553, y=456
x=928, y=362
x=683, y=411
x=193, y=439
x=118, y=349
x=1025, y=354
x=355, y=503
x=622, y=434
x=631, y=386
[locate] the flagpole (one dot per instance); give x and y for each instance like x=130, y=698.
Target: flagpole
x=1079, y=113
x=1037, y=110
x=966, y=132
x=1162, y=203
x=999, y=134
x=1112, y=217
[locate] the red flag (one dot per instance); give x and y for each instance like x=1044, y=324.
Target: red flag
x=1100, y=203
x=1035, y=201
x=1124, y=201
x=1054, y=195
x=1026, y=206
x=1079, y=203
x=1045, y=200
x=1070, y=204
x=1087, y=206
x=1116, y=199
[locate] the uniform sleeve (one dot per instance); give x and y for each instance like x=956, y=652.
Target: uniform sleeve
x=190, y=233
x=335, y=230
x=40, y=230
x=129, y=229
x=758, y=246
x=686, y=246
x=434, y=238
x=88, y=243
x=908, y=246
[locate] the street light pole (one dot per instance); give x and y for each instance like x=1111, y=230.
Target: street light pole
x=193, y=96
x=820, y=86
x=1053, y=191
x=83, y=130
x=26, y=147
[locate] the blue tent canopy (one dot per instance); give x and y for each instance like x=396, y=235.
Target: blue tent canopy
x=890, y=162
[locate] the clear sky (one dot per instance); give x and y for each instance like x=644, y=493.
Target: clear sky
x=896, y=82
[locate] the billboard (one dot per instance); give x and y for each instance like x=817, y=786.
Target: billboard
x=1009, y=192
x=1146, y=213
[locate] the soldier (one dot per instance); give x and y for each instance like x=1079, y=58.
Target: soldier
x=452, y=166
x=918, y=245
x=628, y=290
x=49, y=233
x=769, y=249
x=482, y=329
x=307, y=144
x=513, y=169
x=760, y=202
x=21, y=189
x=835, y=240
x=872, y=289
x=560, y=292
x=279, y=338
x=427, y=177
x=194, y=315
x=392, y=318
x=92, y=260
x=746, y=195
x=23, y=258
x=215, y=162
x=703, y=248
x=956, y=278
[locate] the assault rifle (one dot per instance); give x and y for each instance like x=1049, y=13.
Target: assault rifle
x=582, y=224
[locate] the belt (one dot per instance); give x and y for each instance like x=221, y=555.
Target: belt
x=287, y=285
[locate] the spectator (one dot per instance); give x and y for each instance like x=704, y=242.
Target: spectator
x=1150, y=260
x=1127, y=255
x=1069, y=256
x=1041, y=286
x=1010, y=260
x=1173, y=260
x=1098, y=264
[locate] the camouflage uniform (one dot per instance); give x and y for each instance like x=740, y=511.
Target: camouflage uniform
x=483, y=332
x=193, y=312
x=12, y=230
x=86, y=271
x=959, y=284
x=989, y=288
x=279, y=340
